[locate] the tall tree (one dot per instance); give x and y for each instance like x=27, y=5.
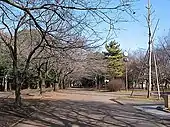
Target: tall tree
x=115, y=62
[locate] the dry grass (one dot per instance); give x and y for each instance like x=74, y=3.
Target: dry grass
x=141, y=97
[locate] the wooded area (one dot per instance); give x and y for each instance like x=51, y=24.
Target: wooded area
x=54, y=43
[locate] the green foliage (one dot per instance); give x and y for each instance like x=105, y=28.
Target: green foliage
x=115, y=62
x=5, y=63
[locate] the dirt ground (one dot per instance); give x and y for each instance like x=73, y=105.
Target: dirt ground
x=78, y=108
x=83, y=108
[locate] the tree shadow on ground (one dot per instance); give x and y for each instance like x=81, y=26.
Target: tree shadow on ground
x=67, y=113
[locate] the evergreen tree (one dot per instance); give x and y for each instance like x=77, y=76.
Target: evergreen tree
x=115, y=62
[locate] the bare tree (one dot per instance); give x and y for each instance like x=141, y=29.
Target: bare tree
x=54, y=19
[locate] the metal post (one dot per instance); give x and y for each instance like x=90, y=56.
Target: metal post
x=126, y=69
x=126, y=78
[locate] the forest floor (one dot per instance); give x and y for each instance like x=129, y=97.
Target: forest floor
x=81, y=108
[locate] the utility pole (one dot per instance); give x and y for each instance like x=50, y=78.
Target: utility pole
x=151, y=52
x=125, y=54
x=150, y=48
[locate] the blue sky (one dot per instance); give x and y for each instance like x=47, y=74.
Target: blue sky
x=135, y=34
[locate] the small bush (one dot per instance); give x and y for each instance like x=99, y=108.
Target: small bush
x=115, y=85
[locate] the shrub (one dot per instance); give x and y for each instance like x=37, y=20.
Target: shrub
x=115, y=85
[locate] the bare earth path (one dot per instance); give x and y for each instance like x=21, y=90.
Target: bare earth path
x=73, y=108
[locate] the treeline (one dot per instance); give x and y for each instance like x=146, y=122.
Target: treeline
x=58, y=67
x=138, y=66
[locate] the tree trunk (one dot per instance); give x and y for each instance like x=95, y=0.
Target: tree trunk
x=99, y=78
x=57, y=80
x=40, y=86
x=96, y=82
x=17, y=85
x=59, y=84
x=29, y=86
x=150, y=50
x=37, y=83
x=41, y=81
x=18, y=95
x=3, y=83
x=10, y=87
x=6, y=82
x=63, y=83
x=54, y=87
